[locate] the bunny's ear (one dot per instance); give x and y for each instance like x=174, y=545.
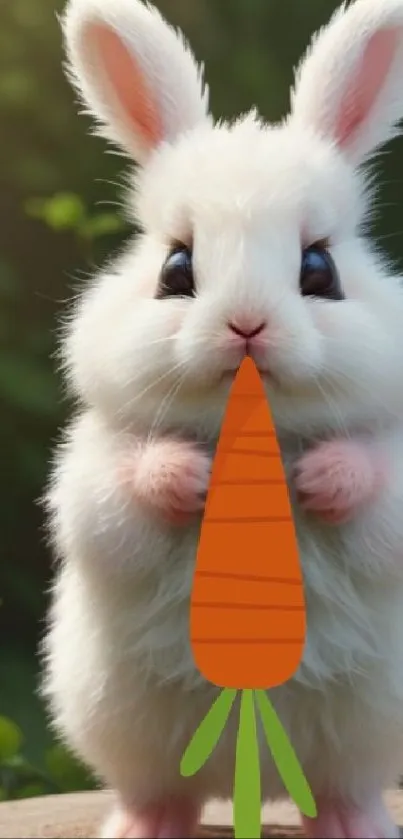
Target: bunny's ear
x=349, y=87
x=135, y=73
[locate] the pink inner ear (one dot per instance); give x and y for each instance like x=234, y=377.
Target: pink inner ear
x=367, y=83
x=128, y=84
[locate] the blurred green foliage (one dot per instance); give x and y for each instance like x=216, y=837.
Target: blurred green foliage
x=60, y=216
x=20, y=778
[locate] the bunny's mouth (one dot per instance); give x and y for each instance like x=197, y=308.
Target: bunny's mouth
x=266, y=374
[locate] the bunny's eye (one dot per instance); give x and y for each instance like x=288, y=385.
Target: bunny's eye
x=176, y=278
x=319, y=276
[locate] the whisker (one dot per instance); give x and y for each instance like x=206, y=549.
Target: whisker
x=360, y=389
x=153, y=384
x=333, y=406
x=165, y=406
x=207, y=336
x=145, y=368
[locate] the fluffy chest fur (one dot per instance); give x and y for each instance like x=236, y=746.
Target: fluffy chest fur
x=144, y=615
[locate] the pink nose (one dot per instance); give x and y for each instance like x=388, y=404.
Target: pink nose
x=246, y=329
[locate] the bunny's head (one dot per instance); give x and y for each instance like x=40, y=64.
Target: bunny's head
x=251, y=234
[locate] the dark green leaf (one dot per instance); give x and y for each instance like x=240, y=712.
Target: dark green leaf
x=10, y=739
x=18, y=764
x=66, y=771
x=64, y=211
x=10, y=286
x=26, y=384
x=30, y=791
x=101, y=225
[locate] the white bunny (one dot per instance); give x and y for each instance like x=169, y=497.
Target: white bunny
x=251, y=243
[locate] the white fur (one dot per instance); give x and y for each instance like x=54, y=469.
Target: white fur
x=333, y=62
x=174, y=78
x=120, y=679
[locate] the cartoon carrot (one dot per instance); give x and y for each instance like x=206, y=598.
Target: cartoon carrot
x=247, y=620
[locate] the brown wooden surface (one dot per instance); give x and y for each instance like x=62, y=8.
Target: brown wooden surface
x=78, y=816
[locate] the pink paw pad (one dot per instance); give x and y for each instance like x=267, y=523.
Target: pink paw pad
x=172, y=479
x=174, y=820
x=344, y=821
x=337, y=478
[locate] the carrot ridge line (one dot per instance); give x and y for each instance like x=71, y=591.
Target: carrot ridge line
x=260, y=607
x=258, y=452
x=248, y=640
x=249, y=578
x=246, y=519
x=251, y=482
x=246, y=395
x=247, y=435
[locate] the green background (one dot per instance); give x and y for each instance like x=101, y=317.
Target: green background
x=59, y=211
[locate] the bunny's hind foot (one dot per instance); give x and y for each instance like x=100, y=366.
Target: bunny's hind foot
x=344, y=820
x=170, y=820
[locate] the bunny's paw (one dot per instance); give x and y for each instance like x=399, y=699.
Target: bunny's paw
x=342, y=820
x=174, y=820
x=170, y=478
x=336, y=479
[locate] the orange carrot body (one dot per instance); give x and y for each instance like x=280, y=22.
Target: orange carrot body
x=247, y=606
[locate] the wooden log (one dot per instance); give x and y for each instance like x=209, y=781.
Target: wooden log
x=79, y=815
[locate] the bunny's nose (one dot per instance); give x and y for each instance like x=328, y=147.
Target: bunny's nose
x=246, y=329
